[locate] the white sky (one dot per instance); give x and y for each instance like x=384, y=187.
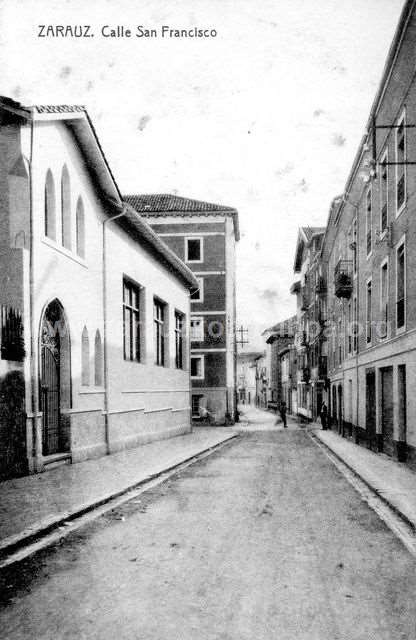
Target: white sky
x=266, y=117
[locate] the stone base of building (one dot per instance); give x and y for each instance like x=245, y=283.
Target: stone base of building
x=402, y=451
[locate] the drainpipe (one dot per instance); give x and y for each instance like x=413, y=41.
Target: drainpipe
x=34, y=399
x=105, y=352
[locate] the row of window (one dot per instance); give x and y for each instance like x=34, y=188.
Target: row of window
x=65, y=213
x=133, y=323
x=400, y=159
x=385, y=313
x=400, y=311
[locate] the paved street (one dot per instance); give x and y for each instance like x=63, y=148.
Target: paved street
x=264, y=539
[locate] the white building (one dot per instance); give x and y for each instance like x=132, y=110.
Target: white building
x=101, y=302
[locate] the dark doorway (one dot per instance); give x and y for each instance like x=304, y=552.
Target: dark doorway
x=55, y=379
x=370, y=407
x=387, y=409
x=334, y=406
x=340, y=412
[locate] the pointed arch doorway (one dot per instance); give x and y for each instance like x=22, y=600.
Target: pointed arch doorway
x=55, y=379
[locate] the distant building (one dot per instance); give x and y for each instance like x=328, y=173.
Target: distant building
x=94, y=306
x=311, y=372
x=277, y=337
x=288, y=372
x=247, y=375
x=204, y=235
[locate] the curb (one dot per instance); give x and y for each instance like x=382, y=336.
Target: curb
x=387, y=501
x=42, y=528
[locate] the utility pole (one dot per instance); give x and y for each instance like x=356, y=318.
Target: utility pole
x=241, y=336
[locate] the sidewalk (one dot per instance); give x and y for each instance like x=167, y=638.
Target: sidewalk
x=39, y=502
x=392, y=481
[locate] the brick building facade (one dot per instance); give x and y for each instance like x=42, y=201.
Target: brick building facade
x=203, y=235
x=277, y=337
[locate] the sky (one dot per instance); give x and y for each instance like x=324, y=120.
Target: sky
x=265, y=117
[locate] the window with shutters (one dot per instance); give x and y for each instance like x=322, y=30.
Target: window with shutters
x=368, y=221
x=369, y=312
x=401, y=166
x=179, y=339
x=384, y=193
x=400, y=286
x=384, y=299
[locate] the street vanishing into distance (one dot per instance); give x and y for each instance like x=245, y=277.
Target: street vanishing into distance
x=264, y=539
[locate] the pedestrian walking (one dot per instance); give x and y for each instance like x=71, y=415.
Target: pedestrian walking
x=324, y=416
x=283, y=413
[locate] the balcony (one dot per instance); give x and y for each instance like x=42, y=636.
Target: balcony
x=343, y=279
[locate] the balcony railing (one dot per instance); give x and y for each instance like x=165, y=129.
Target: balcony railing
x=303, y=339
x=343, y=279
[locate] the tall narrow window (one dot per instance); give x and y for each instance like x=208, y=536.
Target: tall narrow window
x=383, y=193
x=85, y=358
x=159, y=320
x=66, y=208
x=98, y=360
x=179, y=339
x=355, y=245
x=384, y=298
x=400, y=166
x=339, y=342
x=355, y=334
x=80, y=228
x=50, y=206
x=368, y=221
x=131, y=321
x=349, y=327
x=401, y=287
x=369, y=318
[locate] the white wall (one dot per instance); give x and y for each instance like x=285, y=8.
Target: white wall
x=78, y=284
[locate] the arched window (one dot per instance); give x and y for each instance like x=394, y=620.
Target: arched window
x=98, y=360
x=66, y=208
x=85, y=358
x=80, y=226
x=50, y=213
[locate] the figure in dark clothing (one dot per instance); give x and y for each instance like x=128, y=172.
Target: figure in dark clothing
x=282, y=411
x=324, y=416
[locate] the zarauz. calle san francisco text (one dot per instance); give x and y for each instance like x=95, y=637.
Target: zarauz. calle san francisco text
x=121, y=31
